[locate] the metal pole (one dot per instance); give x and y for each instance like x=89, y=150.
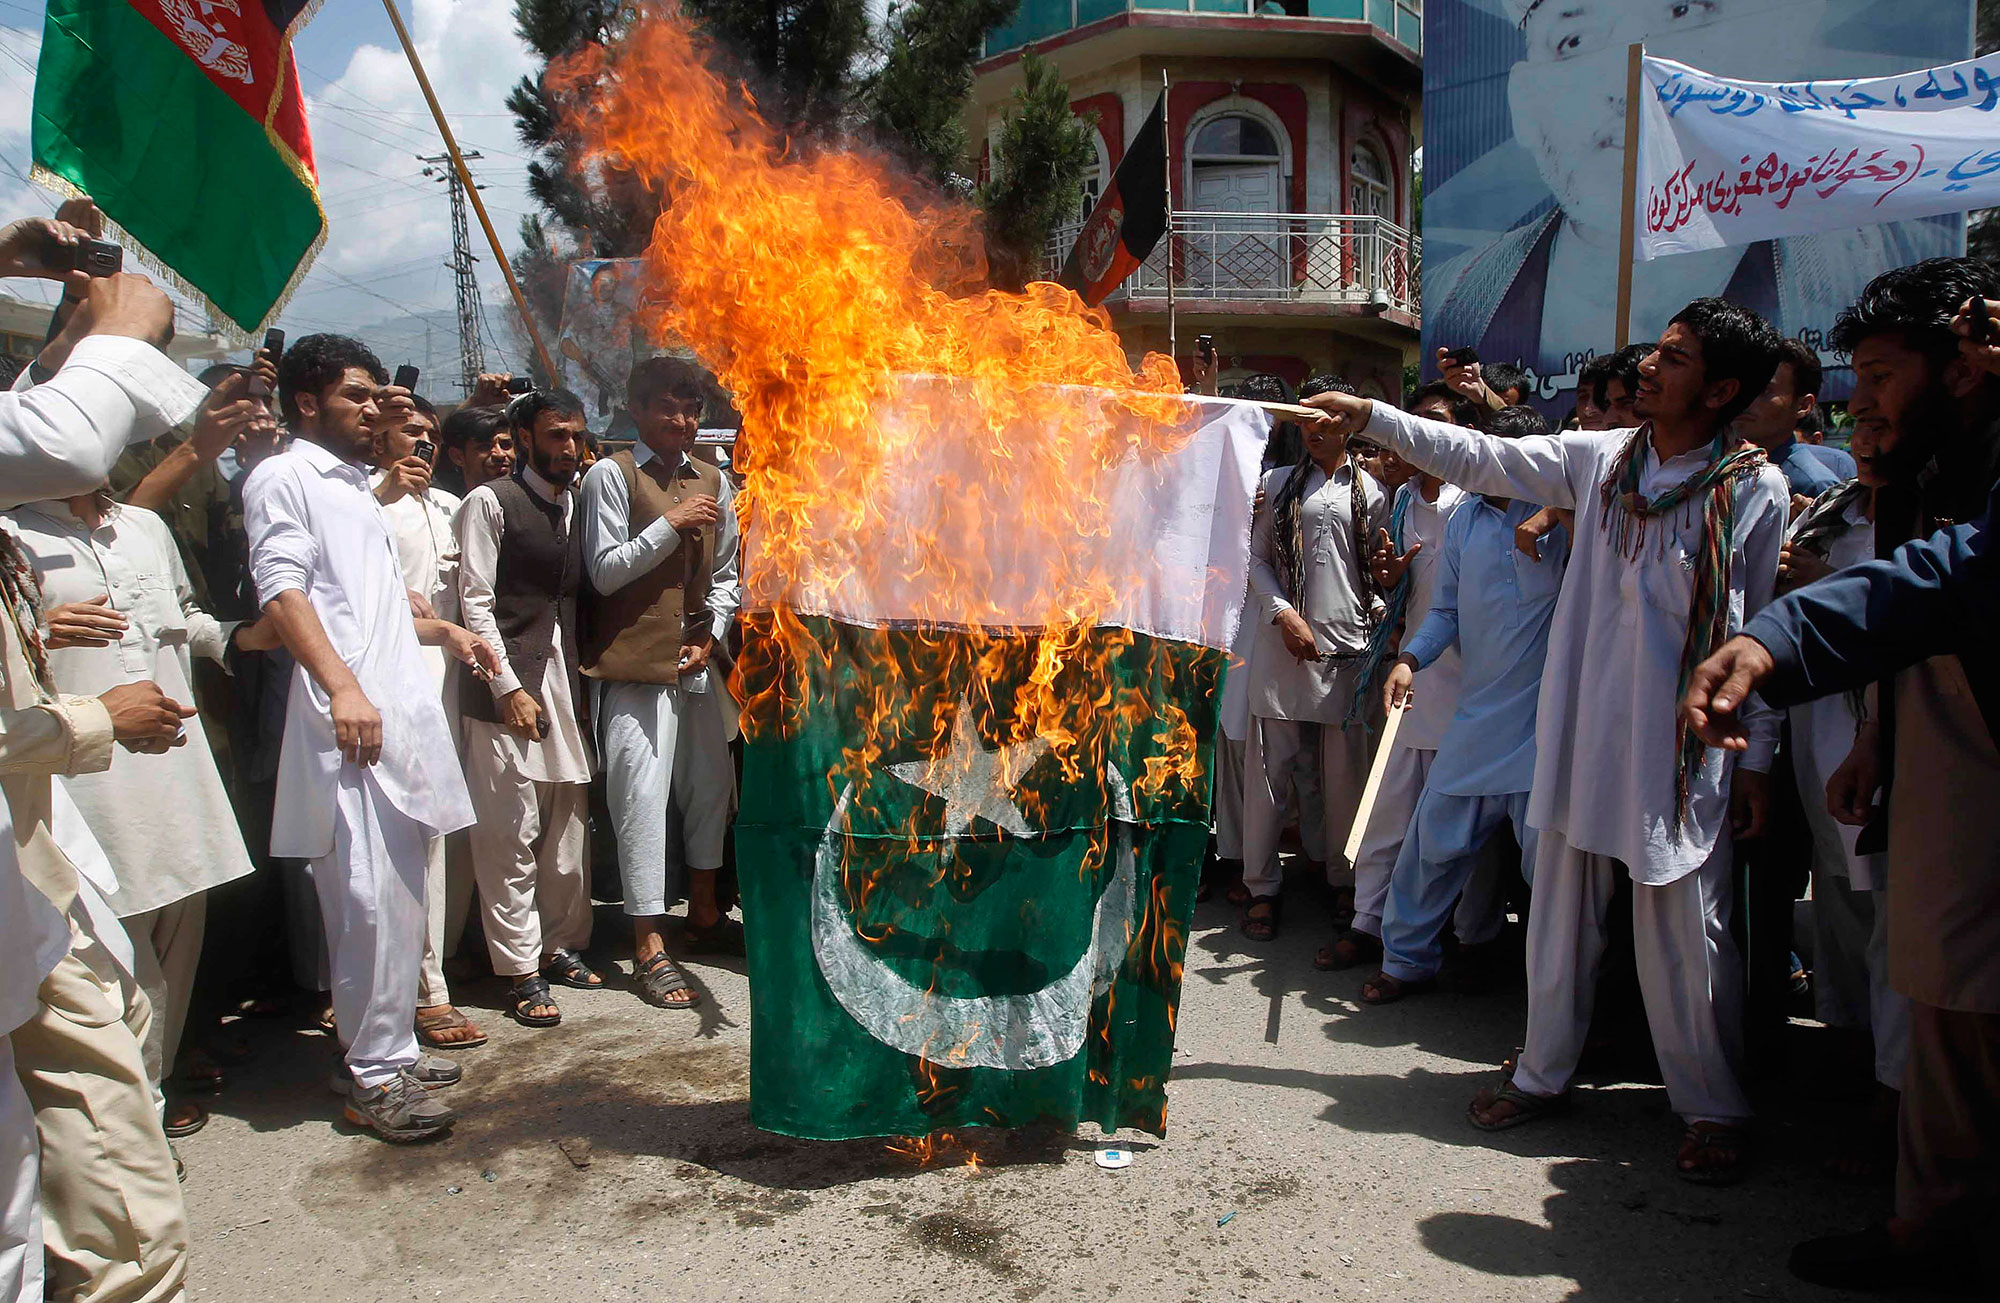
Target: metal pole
x=471, y=191
x=1635, y=80
x=1167, y=154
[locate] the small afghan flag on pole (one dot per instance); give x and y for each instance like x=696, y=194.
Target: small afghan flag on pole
x=1129, y=219
x=183, y=119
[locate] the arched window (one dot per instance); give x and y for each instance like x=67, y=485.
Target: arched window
x=1235, y=162
x=1368, y=192
x=1092, y=183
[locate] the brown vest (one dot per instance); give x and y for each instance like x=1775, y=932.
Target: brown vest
x=535, y=590
x=634, y=635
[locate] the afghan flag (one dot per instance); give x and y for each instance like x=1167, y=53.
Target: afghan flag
x=183, y=119
x=1129, y=219
x=968, y=865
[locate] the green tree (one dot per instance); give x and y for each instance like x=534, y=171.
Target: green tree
x=915, y=100
x=1038, y=168
x=805, y=53
x=1982, y=228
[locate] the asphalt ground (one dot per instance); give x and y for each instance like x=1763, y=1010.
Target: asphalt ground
x=1317, y=1149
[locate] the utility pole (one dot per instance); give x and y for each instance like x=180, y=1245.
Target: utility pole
x=472, y=357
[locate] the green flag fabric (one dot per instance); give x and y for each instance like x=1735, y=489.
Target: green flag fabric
x=961, y=916
x=184, y=121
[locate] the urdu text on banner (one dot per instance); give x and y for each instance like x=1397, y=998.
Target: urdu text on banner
x=1725, y=162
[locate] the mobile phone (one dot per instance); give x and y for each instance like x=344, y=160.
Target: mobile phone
x=1204, y=346
x=406, y=377
x=1982, y=320
x=274, y=344
x=426, y=450
x=94, y=257
x=521, y=385
x=1463, y=357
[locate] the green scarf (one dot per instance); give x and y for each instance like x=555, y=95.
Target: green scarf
x=1626, y=516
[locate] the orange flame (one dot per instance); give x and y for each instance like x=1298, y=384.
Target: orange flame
x=813, y=285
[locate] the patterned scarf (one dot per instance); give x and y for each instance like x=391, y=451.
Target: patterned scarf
x=1826, y=519
x=22, y=593
x=1626, y=517
x=1288, y=541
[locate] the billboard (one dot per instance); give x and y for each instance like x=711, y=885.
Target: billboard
x=1524, y=150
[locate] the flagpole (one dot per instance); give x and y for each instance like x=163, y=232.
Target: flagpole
x=1167, y=154
x=471, y=190
x=1635, y=79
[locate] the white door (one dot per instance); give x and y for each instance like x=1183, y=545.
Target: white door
x=1241, y=249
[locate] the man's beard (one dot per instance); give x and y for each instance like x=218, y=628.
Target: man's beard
x=546, y=469
x=1930, y=423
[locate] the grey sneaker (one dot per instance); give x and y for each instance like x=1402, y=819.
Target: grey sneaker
x=433, y=1072
x=429, y=1071
x=399, y=1110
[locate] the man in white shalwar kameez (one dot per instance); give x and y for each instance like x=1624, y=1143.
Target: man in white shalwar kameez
x=660, y=543
x=420, y=518
x=368, y=773
x=1675, y=528
x=1315, y=609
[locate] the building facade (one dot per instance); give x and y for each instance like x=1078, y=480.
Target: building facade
x=1290, y=126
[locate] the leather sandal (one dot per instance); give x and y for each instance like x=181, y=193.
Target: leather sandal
x=659, y=979
x=567, y=967
x=532, y=992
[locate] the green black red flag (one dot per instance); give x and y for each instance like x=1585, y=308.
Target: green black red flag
x=1129, y=219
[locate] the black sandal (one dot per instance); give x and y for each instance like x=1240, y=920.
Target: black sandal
x=1350, y=949
x=567, y=967
x=658, y=979
x=1262, y=927
x=722, y=937
x=532, y=992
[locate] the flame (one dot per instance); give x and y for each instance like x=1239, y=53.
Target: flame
x=813, y=284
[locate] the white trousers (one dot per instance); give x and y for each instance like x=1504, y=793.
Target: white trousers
x=1689, y=973
x=1851, y=970
x=1448, y=857
x=20, y=1199
x=371, y=895
x=670, y=786
x=1395, y=803
x=447, y=895
x=166, y=949
x=527, y=857
x=1272, y=747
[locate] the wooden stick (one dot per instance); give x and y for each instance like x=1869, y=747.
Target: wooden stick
x=1375, y=772
x=1635, y=80
x=471, y=190
x=1290, y=411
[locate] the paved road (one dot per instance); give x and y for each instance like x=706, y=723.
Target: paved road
x=1317, y=1151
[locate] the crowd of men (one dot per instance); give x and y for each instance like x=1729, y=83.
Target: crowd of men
x=347, y=697
x=1518, y=614
x=270, y=686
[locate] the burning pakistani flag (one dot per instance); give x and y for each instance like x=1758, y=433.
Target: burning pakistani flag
x=969, y=846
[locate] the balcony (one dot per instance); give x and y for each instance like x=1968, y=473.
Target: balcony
x=1283, y=263
x=1401, y=21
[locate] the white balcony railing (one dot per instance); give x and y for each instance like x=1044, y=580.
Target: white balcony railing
x=1273, y=258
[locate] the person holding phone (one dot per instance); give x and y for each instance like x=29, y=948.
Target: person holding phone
x=526, y=755
x=420, y=516
x=660, y=541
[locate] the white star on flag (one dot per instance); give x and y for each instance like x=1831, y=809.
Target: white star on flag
x=974, y=782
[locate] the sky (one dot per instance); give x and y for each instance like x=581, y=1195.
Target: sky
x=382, y=274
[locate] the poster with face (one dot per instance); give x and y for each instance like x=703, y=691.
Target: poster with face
x=1524, y=152
x=599, y=342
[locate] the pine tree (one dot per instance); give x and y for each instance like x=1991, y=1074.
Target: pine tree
x=803, y=54
x=1038, y=169
x=916, y=98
